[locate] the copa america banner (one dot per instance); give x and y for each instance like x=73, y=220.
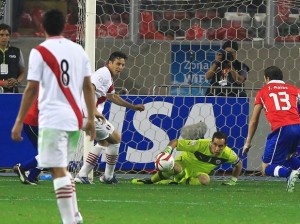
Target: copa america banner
x=189, y=63
x=144, y=134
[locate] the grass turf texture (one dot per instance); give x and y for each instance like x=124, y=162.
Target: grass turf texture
x=256, y=202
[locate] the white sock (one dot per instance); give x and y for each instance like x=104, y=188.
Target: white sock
x=74, y=196
x=111, y=153
x=63, y=190
x=91, y=161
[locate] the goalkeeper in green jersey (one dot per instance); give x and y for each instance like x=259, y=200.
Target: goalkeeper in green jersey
x=199, y=157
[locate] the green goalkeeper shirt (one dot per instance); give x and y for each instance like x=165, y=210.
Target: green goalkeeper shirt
x=197, y=155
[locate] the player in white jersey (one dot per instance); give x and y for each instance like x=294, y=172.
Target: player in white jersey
x=107, y=137
x=60, y=69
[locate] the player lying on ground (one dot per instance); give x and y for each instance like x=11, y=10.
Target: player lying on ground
x=198, y=159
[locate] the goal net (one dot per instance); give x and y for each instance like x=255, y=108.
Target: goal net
x=171, y=45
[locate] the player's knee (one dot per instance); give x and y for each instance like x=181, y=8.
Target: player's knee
x=177, y=168
x=58, y=172
x=204, y=179
x=103, y=143
x=114, y=138
x=113, y=149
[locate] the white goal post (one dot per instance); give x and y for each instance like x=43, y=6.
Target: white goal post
x=90, y=45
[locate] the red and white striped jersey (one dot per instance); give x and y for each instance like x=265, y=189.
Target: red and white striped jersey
x=60, y=66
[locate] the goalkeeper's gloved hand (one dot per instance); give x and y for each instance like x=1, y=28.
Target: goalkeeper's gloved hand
x=168, y=150
x=230, y=182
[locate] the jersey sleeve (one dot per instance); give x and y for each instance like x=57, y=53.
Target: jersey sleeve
x=102, y=84
x=258, y=98
x=232, y=157
x=35, y=66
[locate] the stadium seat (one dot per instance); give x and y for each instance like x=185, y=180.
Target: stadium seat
x=37, y=14
x=237, y=16
x=101, y=31
x=284, y=11
x=179, y=15
x=70, y=31
x=148, y=29
x=26, y=20
x=289, y=38
x=260, y=17
x=231, y=31
x=110, y=29
x=195, y=32
x=117, y=30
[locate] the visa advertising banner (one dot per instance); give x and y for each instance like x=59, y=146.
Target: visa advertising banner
x=144, y=134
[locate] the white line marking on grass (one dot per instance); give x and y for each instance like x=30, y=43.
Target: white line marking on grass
x=264, y=205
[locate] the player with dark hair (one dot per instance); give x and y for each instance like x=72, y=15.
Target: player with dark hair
x=108, y=139
x=59, y=71
x=199, y=157
x=279, y=101
x=227, y=72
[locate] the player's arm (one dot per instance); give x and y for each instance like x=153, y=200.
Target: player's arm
x=252, y=127
x=213, y=68
x=21, y=75
x=237, y=77
x=171, y=146
x=236, y=171
x=116, y=99
x=237, y=168
x=29, y=96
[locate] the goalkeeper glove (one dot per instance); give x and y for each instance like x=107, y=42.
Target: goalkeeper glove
x=168, y=150
x=230, y=182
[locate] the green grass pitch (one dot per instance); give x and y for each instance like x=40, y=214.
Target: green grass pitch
x=257, y=202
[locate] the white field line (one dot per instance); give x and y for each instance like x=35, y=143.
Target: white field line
x=264, y=205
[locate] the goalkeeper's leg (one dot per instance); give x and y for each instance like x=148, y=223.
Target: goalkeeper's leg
x=157, y=178
x=201, y=179
x=177, y=171
x=161, y=176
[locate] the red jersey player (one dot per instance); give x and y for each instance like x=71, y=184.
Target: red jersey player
x=31, y=129
x=279, y=101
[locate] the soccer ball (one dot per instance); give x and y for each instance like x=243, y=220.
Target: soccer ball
x=164, y=162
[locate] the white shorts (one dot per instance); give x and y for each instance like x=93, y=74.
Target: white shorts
x=102, y=130
x=56, y=147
